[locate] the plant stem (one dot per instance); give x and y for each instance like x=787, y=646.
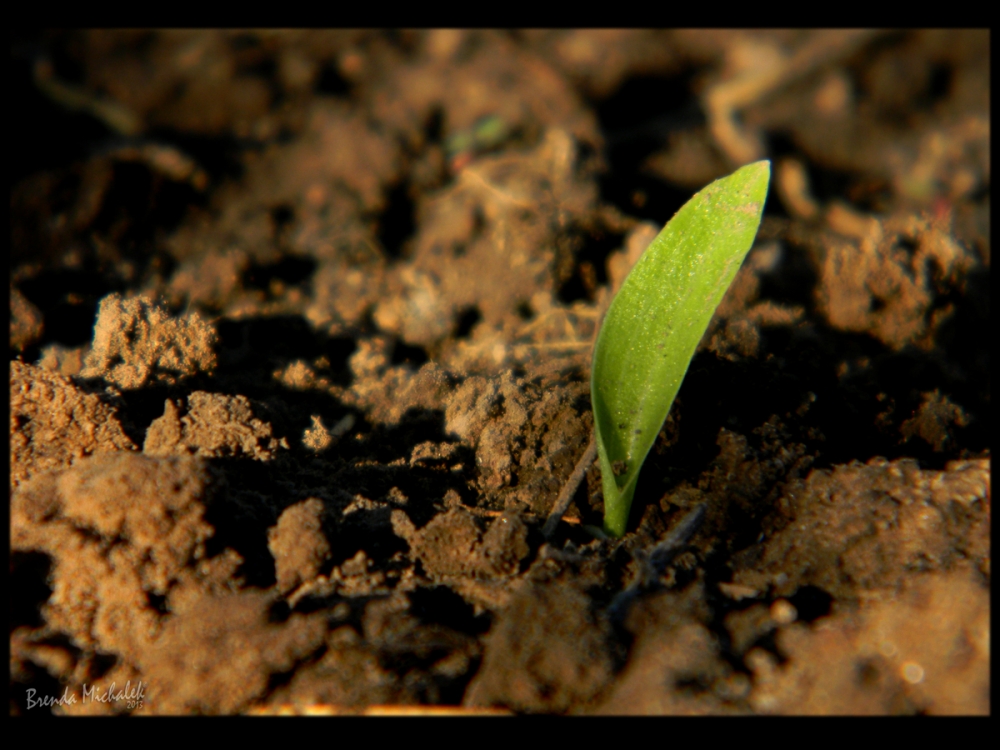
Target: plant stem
x=616, y=513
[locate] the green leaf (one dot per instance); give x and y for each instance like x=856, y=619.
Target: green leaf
x=656, y=320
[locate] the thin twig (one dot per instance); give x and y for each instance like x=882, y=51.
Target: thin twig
x=657, y=559
x=569, y=489
x=652, y=563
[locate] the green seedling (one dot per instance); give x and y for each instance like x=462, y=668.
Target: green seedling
x=486, y=134
x=656, y=320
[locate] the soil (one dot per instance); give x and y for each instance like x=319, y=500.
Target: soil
x=300, y=338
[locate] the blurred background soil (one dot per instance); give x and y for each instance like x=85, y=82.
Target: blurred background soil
x=300, y=335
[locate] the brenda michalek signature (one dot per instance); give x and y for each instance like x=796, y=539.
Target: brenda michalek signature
x=131, y=695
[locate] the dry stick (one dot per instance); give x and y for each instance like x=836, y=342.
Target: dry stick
x=569, y=489
x=652, y=563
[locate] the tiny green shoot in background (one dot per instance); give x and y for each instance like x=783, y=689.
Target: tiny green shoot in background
x=656, y=320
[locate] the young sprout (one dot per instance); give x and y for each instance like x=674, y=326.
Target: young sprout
x=656, y=320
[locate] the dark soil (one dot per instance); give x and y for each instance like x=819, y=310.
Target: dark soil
x=300, y=338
